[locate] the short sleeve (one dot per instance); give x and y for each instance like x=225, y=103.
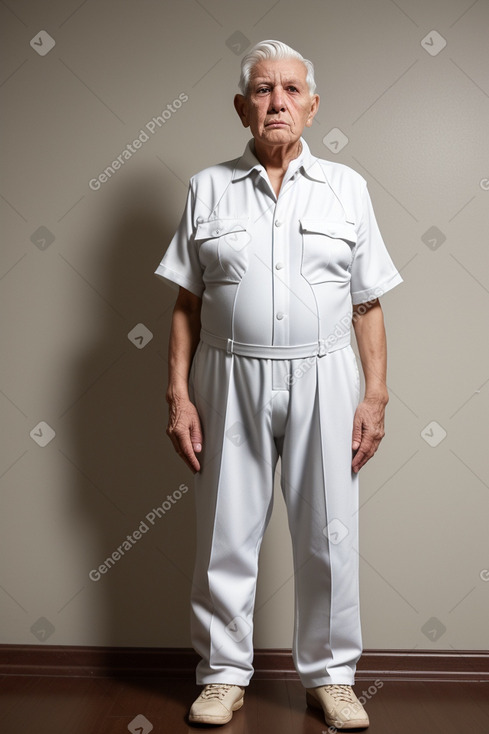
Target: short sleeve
x=180, y=265
x=372, y=271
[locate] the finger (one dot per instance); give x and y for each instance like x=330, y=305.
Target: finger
x=357, y=463
x=356, y=433
x=185, y=450
x=363, y=454
x=190, y=460
x=360, y=459
x=196, y=436
x=192, y=463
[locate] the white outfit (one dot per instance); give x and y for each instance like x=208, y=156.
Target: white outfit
x=274, y=375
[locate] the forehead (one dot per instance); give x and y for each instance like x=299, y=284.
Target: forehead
x=279, y=69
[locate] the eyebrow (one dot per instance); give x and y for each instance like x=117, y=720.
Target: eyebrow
x=263, y=80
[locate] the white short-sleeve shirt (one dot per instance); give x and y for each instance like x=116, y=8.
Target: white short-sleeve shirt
x=279, y=271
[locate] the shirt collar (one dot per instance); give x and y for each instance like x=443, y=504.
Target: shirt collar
x=305, y=162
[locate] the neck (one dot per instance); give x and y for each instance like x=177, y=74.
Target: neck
x=277, y=157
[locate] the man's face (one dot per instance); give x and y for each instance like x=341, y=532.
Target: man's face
x=279, y=104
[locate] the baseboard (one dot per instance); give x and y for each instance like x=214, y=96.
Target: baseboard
x=60, y=660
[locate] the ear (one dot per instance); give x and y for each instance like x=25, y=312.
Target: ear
x=241, y=107
x=314, y=109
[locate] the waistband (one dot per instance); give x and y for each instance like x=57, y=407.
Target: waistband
x=315, y=349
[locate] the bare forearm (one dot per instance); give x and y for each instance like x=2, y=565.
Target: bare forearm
x=184, y=338
x=370, y=334
x=368, y=422
x=184, y=427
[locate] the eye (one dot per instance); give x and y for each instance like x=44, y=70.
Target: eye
x=292, y=88
x=262, y=89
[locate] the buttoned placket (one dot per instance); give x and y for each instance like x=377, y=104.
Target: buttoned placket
x=280, y=260
x=280, y=290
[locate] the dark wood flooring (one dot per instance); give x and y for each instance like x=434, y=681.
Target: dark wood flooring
x=102, y=705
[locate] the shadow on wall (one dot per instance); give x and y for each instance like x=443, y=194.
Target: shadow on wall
x=134, y=493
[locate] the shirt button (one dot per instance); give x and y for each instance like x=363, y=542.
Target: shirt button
x=217, y=231
x=279, y=266
x=280, y=315
x=278, y=223
x=200, y=220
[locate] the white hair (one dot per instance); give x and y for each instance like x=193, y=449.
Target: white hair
x=272, y=50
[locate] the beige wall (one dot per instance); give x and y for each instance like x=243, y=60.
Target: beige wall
x=417, y=127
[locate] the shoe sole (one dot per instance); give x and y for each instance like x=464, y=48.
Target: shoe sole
x=217, y=719
x=354, y=724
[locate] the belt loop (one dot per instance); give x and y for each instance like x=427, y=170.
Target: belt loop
x=322, y=348
x=229, y=346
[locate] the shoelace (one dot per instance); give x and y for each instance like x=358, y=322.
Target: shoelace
x=341, y=693
x=216, y=690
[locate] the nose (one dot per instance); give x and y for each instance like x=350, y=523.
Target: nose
x=277, y=101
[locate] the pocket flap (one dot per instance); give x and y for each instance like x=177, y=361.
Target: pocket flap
x=219, y=228
x=338, y=230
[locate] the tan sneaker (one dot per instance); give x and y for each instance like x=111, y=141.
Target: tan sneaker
x=341, y=707
x=216, y=704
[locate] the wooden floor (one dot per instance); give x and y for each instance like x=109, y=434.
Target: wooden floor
x=60, y=705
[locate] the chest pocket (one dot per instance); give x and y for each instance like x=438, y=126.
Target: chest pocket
x=327, y=249
x=223, y=249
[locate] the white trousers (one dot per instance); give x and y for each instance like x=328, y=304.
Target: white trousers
x=253, y=411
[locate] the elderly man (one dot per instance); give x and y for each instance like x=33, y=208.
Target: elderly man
x=277, y=254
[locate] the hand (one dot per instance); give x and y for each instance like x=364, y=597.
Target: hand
x=185, y=431
x=368, y=431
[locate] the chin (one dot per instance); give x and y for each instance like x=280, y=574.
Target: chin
x=278, y=133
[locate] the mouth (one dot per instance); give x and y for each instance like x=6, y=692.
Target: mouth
x=276, y=123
